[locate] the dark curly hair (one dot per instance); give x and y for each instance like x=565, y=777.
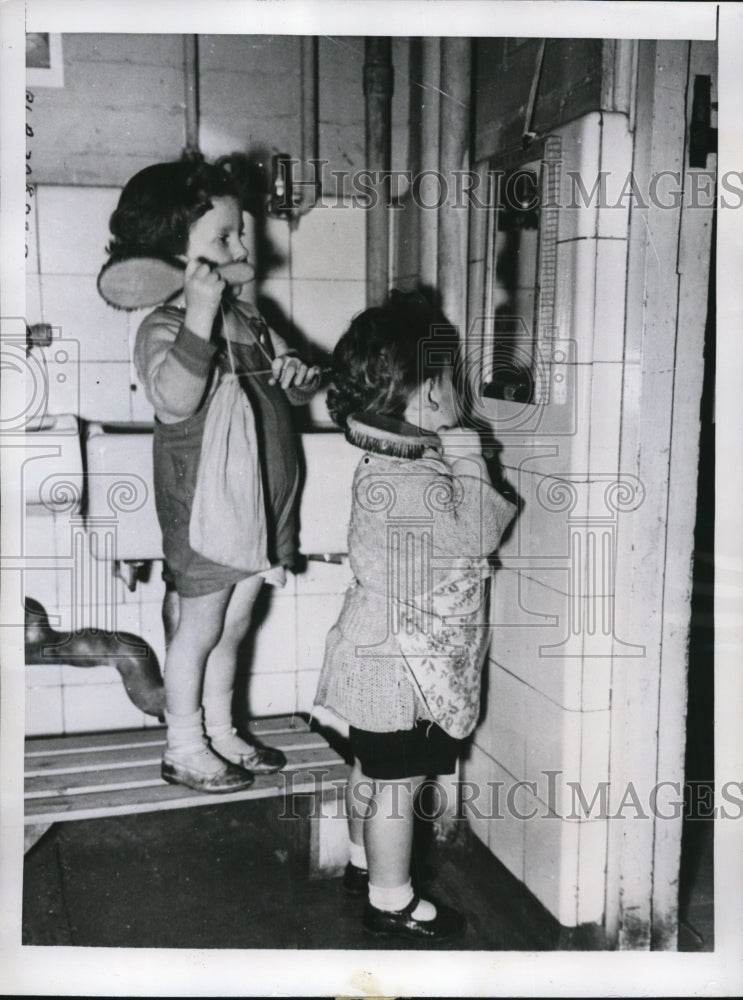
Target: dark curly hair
x=159, y=205
x=386, y=353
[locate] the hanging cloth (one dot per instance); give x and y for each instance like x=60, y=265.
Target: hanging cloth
x=228, y=516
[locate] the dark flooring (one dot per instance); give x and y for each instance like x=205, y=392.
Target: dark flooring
x=225, y=877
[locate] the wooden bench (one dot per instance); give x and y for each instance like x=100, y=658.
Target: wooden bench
x=92, y=775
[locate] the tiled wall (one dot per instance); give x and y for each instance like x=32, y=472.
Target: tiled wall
x=317, y=284
x=548, y=699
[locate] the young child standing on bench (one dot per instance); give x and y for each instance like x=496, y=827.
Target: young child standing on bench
x=209, y=364
x=403, y=663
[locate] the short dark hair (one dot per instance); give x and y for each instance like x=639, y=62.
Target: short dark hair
x=386, y=353
x=159, y=205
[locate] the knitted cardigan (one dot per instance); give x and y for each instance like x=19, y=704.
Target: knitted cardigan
x=413, y=630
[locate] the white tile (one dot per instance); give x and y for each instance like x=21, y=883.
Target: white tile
x=33, y=299
x=89, y=675
x=594, y=752
x=44, y=711
x=490, y=791
x=275, y=297
x=141, y=410
x=605, y=429
x=592, y=838
x=63, y=380
x=41, y=585
x=608, y=325
x=616, y=159
x=323, y=308
x=152, y=629
x=502, y=734
x=272, y=694
x=526, y=647
x=330, y=463
x=575, y=294
x=273, y=640
x=72, y=303
x=272, y=249
x=596, y=682
x=43, y=675
x=323, y=578
x=306, y=689
x=553, y=751
x=477, y=770
x=39, y=541
x=92, y=707
x=316, y=615
x=331, y=239
x=104, y=390
x=551, y=864
x=581, y=149
x=73, y=227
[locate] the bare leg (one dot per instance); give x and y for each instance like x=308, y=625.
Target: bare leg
x=388, y=832
x=219, y=678
x=219, y=682
x=188, y=759
x=199, y=628
x=358, y=803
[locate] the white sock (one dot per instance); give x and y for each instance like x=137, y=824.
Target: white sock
x=218, y=723
x=185, y=732
x=357, y=855
x=187, y=743
x=398, y=898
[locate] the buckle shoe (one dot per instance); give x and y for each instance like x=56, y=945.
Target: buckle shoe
x=260, y=759
x=447, y=923
x=228, y=779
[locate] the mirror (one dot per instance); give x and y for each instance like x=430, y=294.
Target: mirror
x=520, y=278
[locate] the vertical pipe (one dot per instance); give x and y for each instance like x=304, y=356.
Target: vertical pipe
x=454, y=131
x=309, y=128
x=428, y=191
x=191, y=86
x=378, y=115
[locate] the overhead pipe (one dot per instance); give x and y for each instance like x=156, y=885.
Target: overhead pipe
x=378, y=82
x=454, y=131
x=191, y=85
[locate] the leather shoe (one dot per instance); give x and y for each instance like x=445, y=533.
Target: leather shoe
x=229, y=779
x=446, y=924
x=355, y=880
x=260, y=760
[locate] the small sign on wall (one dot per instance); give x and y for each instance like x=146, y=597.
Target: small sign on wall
x=44, y=67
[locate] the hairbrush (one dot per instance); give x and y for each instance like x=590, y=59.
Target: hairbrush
x=140, y=282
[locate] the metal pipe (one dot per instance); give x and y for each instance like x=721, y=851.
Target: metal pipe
x=429, y=191
x=454, y=131
x=191, y=86
x=378, y=115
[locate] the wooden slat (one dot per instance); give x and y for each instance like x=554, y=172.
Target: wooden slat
x=145, y=770
x=92, y=775
x=82, y=742
x=123, y=754
x=163, y=796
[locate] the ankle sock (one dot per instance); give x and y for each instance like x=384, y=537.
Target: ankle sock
x=219, y=729
x=186, y=743
x=357, y=855
x=398, y=898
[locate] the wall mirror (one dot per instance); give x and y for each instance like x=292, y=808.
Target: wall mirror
x=520, y=273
